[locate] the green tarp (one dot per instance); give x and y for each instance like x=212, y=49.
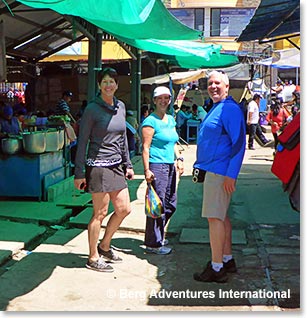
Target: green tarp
x=187, y=54
x=144, y=24
x=134, y=19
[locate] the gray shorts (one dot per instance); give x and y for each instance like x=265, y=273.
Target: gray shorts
x=105, y=179
x=215, y=200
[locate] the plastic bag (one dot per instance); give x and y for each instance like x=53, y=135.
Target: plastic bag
x=153, y=204
x=70, y=133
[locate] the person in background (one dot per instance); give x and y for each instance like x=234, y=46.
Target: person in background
x=278, y=89
x=277, y=117
x=293, y=106
x=62, y=107
x=21, y=118
x=296, y=104
x=198, y=112
x=135, y=138
x=159, y=152
x=182, y=117
x=292, y=86
x=151, y=110
x=102, y=170
x=76, y=125
x=82, y=108
x=208, y=104
x=9, y=124
x=220, y=152
x=253, y=123
x=289, y=88
x=131, y=119
x=144, y=112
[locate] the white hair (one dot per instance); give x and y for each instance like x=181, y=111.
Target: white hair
x=221, y=74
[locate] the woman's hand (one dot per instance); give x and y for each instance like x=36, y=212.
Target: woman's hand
x=149, y=175
x=80, y=184
x=129, y=174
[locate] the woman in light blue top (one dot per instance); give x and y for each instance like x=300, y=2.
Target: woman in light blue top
x=159, y=152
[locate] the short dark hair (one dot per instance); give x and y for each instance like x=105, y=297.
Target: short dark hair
x=67, y=93
x=107, y=71
x=256, y=96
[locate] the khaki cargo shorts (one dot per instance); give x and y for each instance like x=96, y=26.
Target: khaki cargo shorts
x=215, y=200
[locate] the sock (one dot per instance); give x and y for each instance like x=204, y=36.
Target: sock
x=216, y=266
x=227, y=258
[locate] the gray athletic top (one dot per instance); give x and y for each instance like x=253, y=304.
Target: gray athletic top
x=104, y=127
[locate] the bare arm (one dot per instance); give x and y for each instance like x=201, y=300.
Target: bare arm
x=147, y=134
x=250, y=114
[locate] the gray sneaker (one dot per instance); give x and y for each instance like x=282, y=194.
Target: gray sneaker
x=109, y=255
x=100, y=266
x=163, y=250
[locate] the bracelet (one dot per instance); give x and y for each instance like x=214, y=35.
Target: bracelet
x=180, y=158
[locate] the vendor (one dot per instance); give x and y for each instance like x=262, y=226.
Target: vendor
x=63, y=108
x=8, y=123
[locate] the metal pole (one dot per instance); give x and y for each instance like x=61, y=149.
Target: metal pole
x=91, y=80
x=136, y=83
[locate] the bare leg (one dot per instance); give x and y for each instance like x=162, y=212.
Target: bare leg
x=122, y=207
x=217, y=239
x=228, y=237
x=101, y=203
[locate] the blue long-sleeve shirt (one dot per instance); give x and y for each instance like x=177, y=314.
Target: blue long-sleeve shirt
x=222, y=139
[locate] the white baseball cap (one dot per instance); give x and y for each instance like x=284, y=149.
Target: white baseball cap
x=161, y=90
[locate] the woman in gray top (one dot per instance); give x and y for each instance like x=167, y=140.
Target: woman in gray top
x=103, y=167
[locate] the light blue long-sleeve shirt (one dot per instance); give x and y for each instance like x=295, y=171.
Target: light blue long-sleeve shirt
x=222, y=139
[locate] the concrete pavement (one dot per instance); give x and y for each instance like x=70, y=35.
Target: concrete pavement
x=47, y=269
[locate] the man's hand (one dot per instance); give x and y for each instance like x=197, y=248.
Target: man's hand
x=229, y=185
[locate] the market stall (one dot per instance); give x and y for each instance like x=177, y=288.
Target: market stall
x=33, y=161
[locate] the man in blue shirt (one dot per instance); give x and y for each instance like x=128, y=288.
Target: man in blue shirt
x=220, y=152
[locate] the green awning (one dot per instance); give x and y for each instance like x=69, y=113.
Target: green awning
x=144, y=24
x=134, y=19
x=187, y=54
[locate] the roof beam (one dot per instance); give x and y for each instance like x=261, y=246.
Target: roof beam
x=88, y=29
x=49, y=28
x=59, y=48
x=13, y=5
x=285, y=37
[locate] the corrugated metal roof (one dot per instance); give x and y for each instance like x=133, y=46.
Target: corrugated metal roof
x=31, y=34
x=273, y=18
